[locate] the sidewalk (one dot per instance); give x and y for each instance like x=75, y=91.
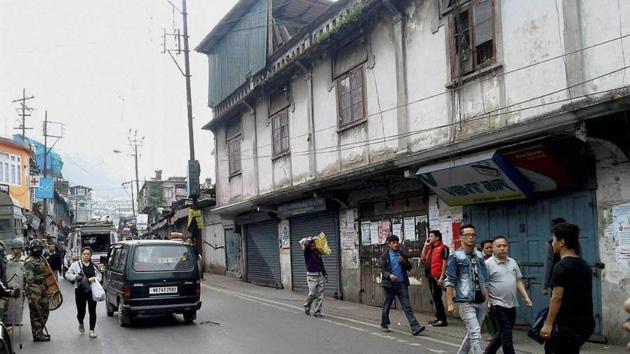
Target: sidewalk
x=370, y=314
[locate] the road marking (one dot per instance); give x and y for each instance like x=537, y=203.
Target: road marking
x=340, y=318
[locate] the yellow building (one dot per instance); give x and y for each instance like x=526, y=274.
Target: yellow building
x=14, y=170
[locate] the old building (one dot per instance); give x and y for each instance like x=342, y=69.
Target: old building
x=81, y=202
x=363, y=118
x=156, y=196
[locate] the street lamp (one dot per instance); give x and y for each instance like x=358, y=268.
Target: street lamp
x=135, y=156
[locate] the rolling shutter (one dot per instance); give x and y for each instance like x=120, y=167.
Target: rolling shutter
x=263, y=256
x=311, y=225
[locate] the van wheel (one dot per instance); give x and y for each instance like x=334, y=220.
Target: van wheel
x=190, y=316
x=124, y=320
x=109, y=309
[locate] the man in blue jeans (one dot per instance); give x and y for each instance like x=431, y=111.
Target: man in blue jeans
x=395, y=282
x=466, y=285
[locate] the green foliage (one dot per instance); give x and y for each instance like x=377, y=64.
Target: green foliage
x=346, y=19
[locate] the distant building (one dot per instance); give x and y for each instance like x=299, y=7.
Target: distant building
x=157, y=196
x=81, y=201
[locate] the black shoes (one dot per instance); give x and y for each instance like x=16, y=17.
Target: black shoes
x=385, y=329
x=418, y=331
x=41, y=338
x=432, y=322
x=439, y=324
x=318, y=314
x=307, y=311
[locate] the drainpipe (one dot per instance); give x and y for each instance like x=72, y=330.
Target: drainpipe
x=312, y=161
x=401, y=76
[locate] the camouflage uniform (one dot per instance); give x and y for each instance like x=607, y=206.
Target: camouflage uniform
x=35, y=287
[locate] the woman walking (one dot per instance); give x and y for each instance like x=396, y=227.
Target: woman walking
x=83, y=273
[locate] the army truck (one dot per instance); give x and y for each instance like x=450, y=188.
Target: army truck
x=10, y=220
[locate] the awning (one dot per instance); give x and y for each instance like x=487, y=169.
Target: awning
x=480, y=178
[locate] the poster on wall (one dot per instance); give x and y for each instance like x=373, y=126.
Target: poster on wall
x=422, y=228
x=374, y=232
x=446, y=228
x=397, y=229
x=348, y=232
x=620, y=230
x=285, y=239
x=409, y=228
x=384, y=230
x=365, y=233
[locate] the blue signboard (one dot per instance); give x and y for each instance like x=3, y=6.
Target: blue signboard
x=46, y=189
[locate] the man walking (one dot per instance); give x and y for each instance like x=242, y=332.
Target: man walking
x=395, y=282
x=504, y=279
x=315, y=277
x=36, y=291
x=434, y=256
x=571, y=306
x=466, y=285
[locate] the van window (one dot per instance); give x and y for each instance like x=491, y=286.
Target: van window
x=151, y=258
x=98, y=243
x=113, y=258
x=122, y=259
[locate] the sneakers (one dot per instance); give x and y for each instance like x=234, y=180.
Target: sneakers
x=318, y=314
x=418, y=331
x=434, y=321
x=385, y=329
x=41, y=338
x=439, y=324
x=92, y=334
x=81, y=328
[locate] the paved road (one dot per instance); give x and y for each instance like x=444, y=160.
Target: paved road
x=228, y=322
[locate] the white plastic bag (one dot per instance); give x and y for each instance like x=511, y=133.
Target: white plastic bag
x=98, y=293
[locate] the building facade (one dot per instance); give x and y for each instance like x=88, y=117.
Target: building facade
x=81, y=201
x=15, y=160
x=395, y=117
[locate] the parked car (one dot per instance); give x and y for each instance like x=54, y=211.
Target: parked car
x=151, y=277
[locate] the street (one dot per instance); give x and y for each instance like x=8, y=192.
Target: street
x=228, y=322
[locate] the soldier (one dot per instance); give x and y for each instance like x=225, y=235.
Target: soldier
x=17, y=249
x=36, y=292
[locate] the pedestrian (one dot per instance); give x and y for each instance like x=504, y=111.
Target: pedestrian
x=54, y=259
x=316, y=279
x=466, y=285
x=571, y=305
x=504, y=279
x=36, y=290
x=395, y=282
x=486, y=248
x=434, y=256
x=550, y=259
x=83, y=273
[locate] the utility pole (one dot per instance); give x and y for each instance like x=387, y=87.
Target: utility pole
x=134, y=142
x=133, y=209
x=47, y=134
x=193, y=165
x=24, y=111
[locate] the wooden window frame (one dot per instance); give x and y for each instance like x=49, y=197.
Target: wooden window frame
x=454, y=57
x=342, y=124
x=234, y=157
x=276, y=125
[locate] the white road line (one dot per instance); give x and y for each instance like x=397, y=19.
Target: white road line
x=340, y=318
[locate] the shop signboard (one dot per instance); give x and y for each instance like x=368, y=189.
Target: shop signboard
x=482, y=178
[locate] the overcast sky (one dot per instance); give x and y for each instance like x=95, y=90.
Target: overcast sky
x=97, y=67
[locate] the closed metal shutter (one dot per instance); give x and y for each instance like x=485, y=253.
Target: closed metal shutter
x=312, y=225
x=263, y=256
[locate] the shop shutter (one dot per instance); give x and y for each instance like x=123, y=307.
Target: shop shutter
x=263, y=256
x=311, y=225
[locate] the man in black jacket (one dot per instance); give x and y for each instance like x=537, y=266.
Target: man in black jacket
x=395, y=282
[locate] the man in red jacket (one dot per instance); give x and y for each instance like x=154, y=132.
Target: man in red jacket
x=434, y=257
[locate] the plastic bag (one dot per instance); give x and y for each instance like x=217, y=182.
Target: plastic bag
x=98, y=293
x=322, y=244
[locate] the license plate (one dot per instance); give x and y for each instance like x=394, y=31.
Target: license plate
x=163, y=290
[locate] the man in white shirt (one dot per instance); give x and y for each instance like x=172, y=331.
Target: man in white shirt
x=504, y=279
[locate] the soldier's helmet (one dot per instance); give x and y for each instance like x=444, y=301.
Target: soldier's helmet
x=36, y=244
x=17, y=243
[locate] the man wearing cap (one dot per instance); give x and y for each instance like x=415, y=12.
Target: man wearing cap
x=395, y=282
x=36, y=291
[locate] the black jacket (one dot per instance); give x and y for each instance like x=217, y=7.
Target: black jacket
x=386, y=268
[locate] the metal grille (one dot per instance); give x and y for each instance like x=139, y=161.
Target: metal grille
x=263, y=256
x=312, y=225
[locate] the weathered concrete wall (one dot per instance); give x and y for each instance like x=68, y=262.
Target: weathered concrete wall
x=613, y=188
x=298, y=129
x=214, y=243
x=285, y=255
x=325, y=117
x=350, y=263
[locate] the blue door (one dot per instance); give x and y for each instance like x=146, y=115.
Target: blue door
x=527, y=226
x=232, y=253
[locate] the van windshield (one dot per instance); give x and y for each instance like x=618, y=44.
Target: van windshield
x=98, y=243
x=155, y=258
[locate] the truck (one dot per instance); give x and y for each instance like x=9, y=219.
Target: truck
x=98, y=235
x=10, y=220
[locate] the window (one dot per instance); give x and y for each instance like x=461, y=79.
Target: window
x=472, y=37
x=149, y=258
x=351, y=97
x=233, y=138
x=10, y=169
x=280, y=127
